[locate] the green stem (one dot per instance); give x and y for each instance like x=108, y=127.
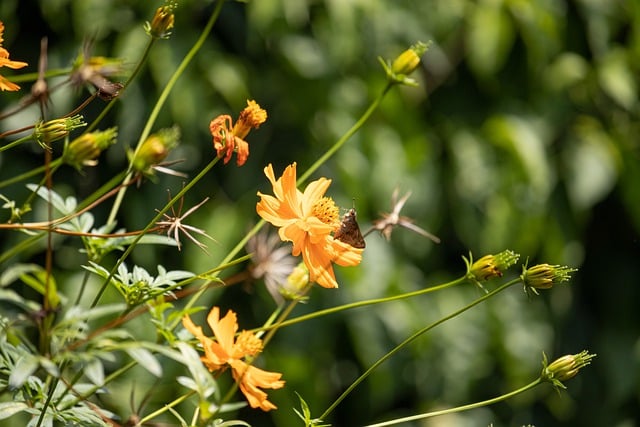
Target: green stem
x=16, y=142
x=152, y=223
x=133, y=75
x=331, y=151
x=409, y=340
x=30, y=173
x=365, y=303
x=165, y=408
x=460, y=408
x=161, y=101
x=365, y=116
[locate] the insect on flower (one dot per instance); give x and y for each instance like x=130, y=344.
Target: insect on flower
x=349, y=231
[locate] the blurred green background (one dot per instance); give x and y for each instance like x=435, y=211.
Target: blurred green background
x=522, y=135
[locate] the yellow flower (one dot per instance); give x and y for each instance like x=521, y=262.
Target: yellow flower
x=5, y=62
x=228, y=350
x=307, y=219
x=226, y=139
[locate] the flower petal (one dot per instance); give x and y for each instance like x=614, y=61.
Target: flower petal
x=251, y=379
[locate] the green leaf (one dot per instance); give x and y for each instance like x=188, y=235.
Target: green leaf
x=24, y=367
x=8, y=409
x=145, y=359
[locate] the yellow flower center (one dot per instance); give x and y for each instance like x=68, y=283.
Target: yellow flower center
x=326, y=211
x=248, y=344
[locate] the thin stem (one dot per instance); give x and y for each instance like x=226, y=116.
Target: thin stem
x=166, y=407
x=365, y=303
x=162, y=99
x=16, y=142
x=151, y=223
x=356, y=127
x=30, y=173
x=409, y=340
x=460, y=408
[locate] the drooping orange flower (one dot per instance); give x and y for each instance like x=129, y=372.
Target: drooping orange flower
x=226, y=139
x=228, y=350
x=5, y=62
x=307, y=219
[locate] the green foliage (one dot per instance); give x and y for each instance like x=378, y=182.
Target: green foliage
x=521, y=133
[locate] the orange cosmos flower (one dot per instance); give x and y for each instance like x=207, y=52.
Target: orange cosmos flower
x=307, y=219
x=5, y=62
x=228, y=350
x=226, y=139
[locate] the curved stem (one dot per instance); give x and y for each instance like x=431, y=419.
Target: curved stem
x=460, y=408
x=162, y=99
x=409, y=340
x=365, y=303
x=356, y=127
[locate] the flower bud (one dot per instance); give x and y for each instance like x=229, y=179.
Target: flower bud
x=162, y=23
x=297, y=283
x=490, y=266
x=405, y=64
x=564, y=368
x=84, y=150
x=47, y=132
x=155, y=149
x=544, y=276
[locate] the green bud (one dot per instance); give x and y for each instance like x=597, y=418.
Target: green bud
x=84, y=150
x=544, y=276
x=564, y=368
x=47, y=132
x=155, y=149
x=162, y=22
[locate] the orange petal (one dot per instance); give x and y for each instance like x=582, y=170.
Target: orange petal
x=251, y=379
x=342, y=253
x=224, y=329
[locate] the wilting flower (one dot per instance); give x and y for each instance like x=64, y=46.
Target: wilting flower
x=95, y=70
x=389, y=220
x=230, y=351
x=307, y=219
x=229, y=138
x=564, y=368
x=544, y=276
x=174, y=225
x=6, y=62
x=271, y=262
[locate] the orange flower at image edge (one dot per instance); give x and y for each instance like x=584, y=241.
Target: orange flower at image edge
x=5, y=62
x=227, y=350
x=228, y=139
x=307, y=219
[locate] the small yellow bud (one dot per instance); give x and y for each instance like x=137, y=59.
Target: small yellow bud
x=405, y=64
x=564, y=368
x=155, y=149
x=162, y=22
x=490, y=266
x=297, y=283
x=47, y=132
x=84, y=150
x=544, y=276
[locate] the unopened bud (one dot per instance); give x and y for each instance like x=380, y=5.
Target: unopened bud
x=84, y=150
x=155, y=149
x=544, y=276
x=53, y=130
x=490, y=266
x=297, y=283
x=162, y=23
x=564, y=368
x=405, y=64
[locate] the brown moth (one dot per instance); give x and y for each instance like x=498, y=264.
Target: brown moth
x=349, y=231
